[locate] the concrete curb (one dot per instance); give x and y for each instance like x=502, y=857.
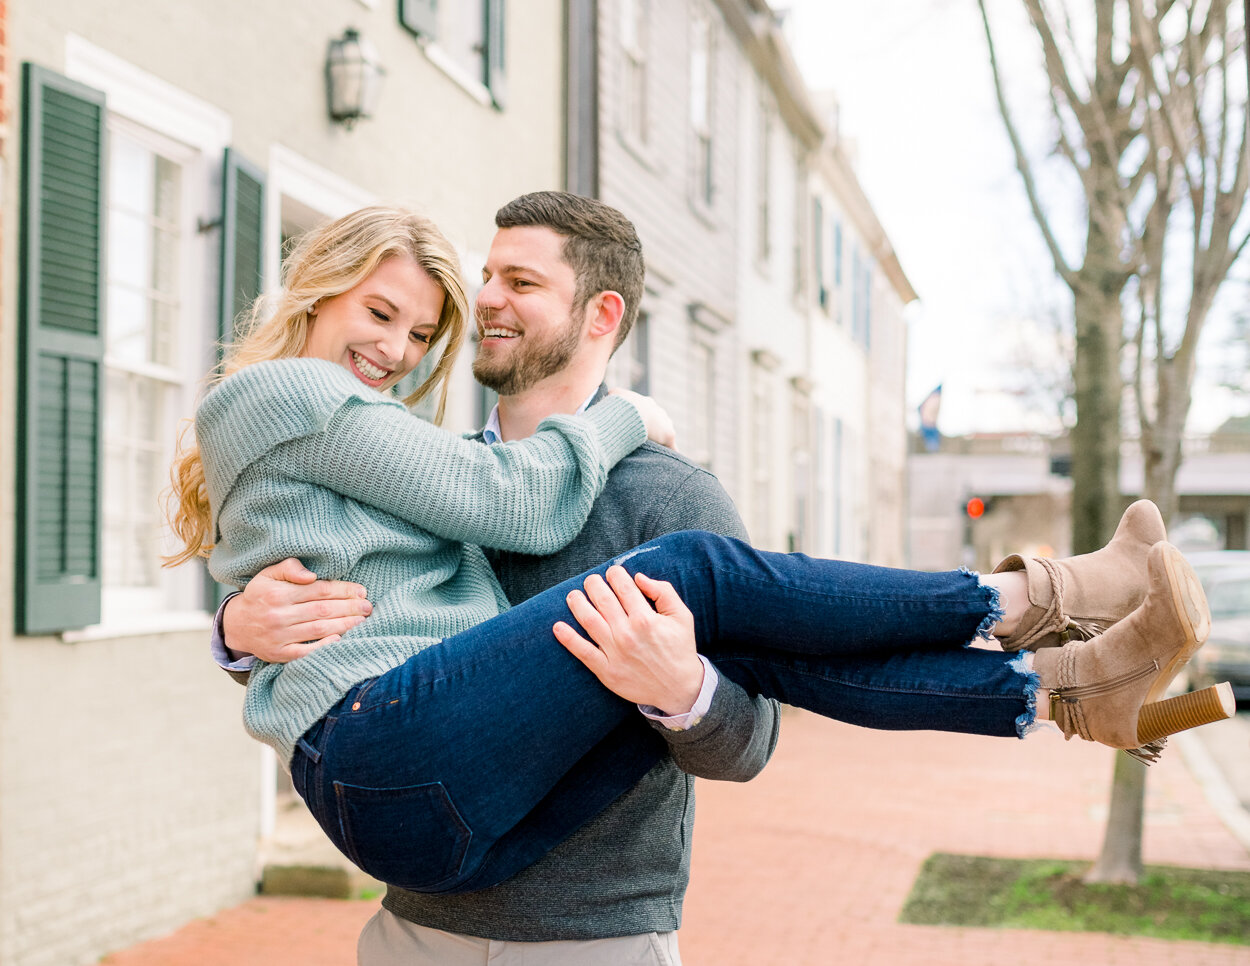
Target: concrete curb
x=1215, y=786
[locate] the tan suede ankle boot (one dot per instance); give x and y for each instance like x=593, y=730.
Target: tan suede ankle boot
x=1108, y=689
x=1079, y=597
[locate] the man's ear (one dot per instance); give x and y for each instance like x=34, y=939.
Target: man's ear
x=604, y=313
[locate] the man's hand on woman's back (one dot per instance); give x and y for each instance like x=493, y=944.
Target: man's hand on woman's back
x=285, y=612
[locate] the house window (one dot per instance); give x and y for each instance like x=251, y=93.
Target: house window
x=856, y=294
x=701, y=87
x=125, y=326
x=763, y=184
x=702, y=399
x=837, y=253
x=638, y=359
x=867, y=324
x=762, y=461
x=465, y=39
x=818, y=253
x=147, y=315
x=634, y=106
x=801, y=465
x=800, y=223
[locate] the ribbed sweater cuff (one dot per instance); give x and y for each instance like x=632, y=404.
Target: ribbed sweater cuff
x=619, y=427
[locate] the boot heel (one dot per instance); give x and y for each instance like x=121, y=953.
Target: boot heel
x=1172, y=715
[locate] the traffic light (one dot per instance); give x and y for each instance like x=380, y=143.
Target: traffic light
x=977, y=507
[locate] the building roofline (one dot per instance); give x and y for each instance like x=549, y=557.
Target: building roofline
x=758, y=29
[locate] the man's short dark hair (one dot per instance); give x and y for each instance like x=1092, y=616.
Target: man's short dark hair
x=600, y=244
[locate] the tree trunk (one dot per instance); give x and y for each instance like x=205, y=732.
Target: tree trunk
x=1096, y=500
x=1120, y=859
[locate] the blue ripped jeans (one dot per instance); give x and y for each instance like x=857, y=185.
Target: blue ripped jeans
x=477, y=756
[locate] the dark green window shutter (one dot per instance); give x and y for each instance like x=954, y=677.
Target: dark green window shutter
x=420, y=18
x=61, y=352
x=242, y=240
x=496, y=65
x=242, y=265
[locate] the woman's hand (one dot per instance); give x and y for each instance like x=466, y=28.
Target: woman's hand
x=645, y=654
x=659, y=426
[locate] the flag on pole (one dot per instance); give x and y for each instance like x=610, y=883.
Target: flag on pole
x=928, y=419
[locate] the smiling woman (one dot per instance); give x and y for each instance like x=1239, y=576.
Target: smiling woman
x=378, y=278
x=381, y=329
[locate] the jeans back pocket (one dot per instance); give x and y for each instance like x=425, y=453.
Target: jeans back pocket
x=412, y=837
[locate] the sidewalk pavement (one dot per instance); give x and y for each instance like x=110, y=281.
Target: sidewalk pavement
x=811, y=862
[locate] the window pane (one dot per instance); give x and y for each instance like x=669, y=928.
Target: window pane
x=166, y=199
x=164, y=315
x=145, y=245
x=130, y=175
x=463, y=37
x=699, y=73
x=127, y=325
x=629, y=23
x=165, y=261
x=129, y=248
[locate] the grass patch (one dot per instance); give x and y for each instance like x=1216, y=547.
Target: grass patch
x=1169, y=903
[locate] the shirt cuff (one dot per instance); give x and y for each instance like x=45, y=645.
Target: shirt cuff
x=217, y=644
x=684, y=722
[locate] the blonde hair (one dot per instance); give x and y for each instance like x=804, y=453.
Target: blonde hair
x=327, y=261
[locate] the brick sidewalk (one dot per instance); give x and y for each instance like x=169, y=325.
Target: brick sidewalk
x=811, y=862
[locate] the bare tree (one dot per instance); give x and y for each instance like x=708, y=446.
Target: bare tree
x=1148, y=111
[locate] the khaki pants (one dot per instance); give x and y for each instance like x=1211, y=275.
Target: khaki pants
x=388, y=940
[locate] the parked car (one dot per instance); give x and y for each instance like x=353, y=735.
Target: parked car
x=1208, y=564
x=1226, y=654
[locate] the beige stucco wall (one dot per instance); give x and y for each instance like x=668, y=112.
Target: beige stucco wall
x=430, y=143
x=129, y=795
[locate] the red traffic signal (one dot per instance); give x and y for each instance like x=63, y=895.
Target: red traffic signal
x=975, y=508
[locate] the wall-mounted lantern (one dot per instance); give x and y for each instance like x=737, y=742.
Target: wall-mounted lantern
x=353, y=78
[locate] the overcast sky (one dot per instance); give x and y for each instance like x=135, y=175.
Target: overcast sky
x=914, y=84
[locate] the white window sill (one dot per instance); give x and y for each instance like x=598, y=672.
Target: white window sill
x=167, y=622
x=641, y=151
x=473, y=87
x=703, y=210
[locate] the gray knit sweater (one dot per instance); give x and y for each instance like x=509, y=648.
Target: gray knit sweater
x=302, y=460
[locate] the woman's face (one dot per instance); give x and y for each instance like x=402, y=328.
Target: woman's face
x=381, y=329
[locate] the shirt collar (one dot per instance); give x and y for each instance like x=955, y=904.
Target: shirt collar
x=491, y=431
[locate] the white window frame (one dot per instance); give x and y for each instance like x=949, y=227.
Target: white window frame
x=634, y=119
x=441, y=57
x=763, y=185
x=802, y=462
x=798, y=291
x=186, y=368
x=702, y=113
x=763, y=417
x=702, y=398
x=165, y=114
x=292, y=176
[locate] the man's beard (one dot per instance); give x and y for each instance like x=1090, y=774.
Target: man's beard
x=533, y=362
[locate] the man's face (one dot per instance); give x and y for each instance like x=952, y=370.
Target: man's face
x=525, y=311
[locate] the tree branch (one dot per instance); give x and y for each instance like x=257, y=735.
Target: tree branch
x=1022, y=162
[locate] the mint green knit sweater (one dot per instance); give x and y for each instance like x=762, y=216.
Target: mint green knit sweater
x=302, y=460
